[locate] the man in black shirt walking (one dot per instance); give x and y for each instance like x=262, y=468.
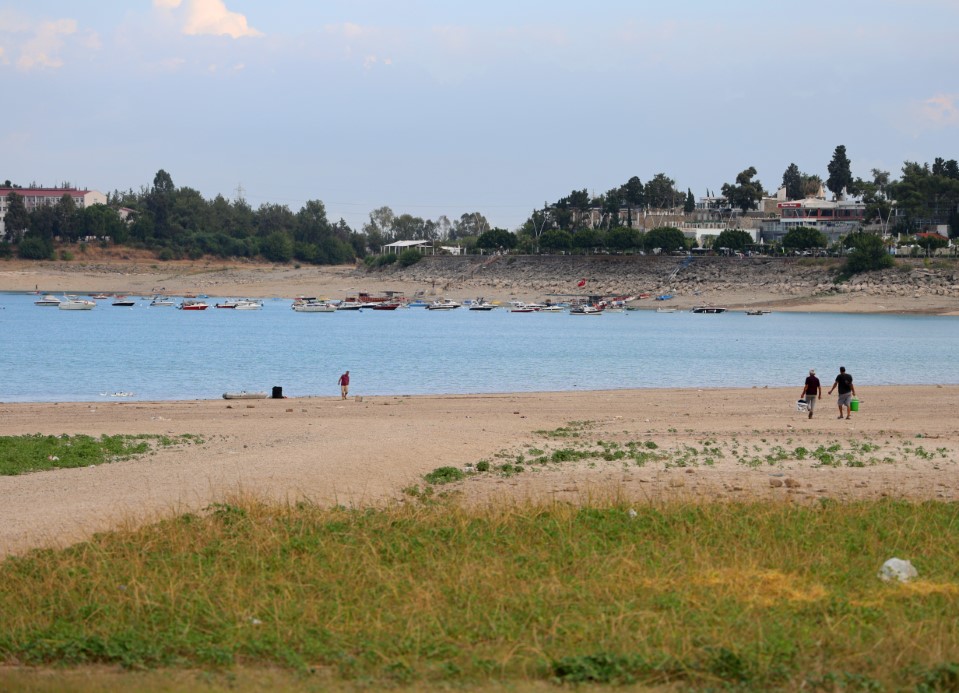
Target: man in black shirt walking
x=846, y=391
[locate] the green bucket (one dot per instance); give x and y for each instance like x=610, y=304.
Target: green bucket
x=854, y=404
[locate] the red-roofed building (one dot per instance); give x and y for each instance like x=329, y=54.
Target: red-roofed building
x=34, y=197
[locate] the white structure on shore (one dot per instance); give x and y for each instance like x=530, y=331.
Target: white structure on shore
x=35, y=197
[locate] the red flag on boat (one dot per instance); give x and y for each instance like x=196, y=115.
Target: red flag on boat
x=581, y=283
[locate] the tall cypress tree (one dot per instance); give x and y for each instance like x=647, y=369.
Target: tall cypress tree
x=840, y=175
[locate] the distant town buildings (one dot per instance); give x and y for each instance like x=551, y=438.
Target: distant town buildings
x=35, y=197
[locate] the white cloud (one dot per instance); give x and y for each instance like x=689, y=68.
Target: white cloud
x=207, y=17
x=941, y=110
x=42, y=50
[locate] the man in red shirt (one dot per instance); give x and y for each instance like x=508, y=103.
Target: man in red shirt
x=345, y=384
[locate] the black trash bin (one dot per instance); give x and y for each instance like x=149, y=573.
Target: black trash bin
x=277, y=392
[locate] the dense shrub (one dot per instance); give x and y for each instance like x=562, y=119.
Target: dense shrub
x=409, y=257
x=33, y=248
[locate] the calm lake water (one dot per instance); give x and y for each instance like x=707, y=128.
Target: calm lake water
x=51, y=355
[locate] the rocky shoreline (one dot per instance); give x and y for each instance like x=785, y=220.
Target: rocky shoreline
x=756, y=280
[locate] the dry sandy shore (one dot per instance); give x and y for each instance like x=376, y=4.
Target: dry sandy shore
x=714, y=444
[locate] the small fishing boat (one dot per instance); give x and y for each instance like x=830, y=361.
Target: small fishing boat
x=124, y=302
x=162, y=302
x=385, y=306
x=708, y=309
x=758, y=312
x=666, y=310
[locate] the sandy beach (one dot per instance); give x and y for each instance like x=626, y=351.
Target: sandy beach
x=714, y=444
x=703, y=444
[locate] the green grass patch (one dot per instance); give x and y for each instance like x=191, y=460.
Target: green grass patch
x=32, y=453
x=751, y=596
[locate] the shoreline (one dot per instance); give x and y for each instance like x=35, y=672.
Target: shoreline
x=760, y=284
x=704, y=444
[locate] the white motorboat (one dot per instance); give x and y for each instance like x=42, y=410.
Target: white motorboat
x=443, y=304
x=349, y=304
x=666, y=310
x=47, y=300
x=247, y=304
x=77, y=304
x=708, y=309
x=585, y=310
x=314, y=307
x=161, y=302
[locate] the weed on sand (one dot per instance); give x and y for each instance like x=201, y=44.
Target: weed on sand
x=748, y=595
x=32, y=453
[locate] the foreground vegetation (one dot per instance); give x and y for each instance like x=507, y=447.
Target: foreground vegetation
x=33, y=453
x=744, y=595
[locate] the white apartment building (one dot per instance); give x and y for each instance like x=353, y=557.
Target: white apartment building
x=34, y=197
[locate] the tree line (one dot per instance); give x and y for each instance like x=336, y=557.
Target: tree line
x=180, y=223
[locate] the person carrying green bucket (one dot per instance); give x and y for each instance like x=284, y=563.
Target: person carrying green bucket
x=846, y=393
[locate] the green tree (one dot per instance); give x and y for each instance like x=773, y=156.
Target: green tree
x=661, y=192
x=804, y=238
x=623, y=239
x=634, y=195
x=792, y=181
x=496, y=239
x=103, y=222
x=840, y=173
x=277, y=247
x=556, y=239
x=312, y=225
x=690, y=206
x=666, y=238
x=746, y=193
x=16, y=221
x=588, y=239
x=159, y=203
x=734, y=239
x=869, y=253
x=470, y=224
x=811, y=185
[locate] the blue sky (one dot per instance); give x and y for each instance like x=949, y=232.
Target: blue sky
x=433, y=108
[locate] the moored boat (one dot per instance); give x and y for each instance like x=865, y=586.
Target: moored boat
x=193, y=305
x=48, y=300
x=247, y=304
x=585, y=310
x=443, y=304
x=162, y=302
x=314, y=307
x=77, y=304
x=708, y=309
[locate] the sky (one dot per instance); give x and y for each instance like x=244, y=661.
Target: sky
x=438, y=108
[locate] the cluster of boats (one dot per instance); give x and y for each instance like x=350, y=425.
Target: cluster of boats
x=390, y=301
x=72, y=302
